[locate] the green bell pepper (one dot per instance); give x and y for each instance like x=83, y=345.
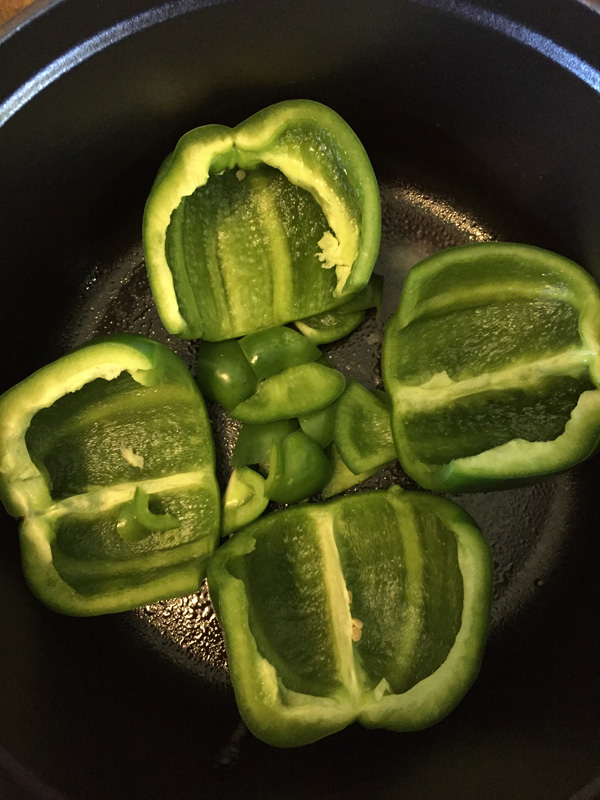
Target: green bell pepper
x=262, y=224
x=492, y=365
x=271, y=351
x=267, y=376
x=362, y=429
x=136, y=520
x=254, y=442
x=372, y=607
x=329, y=326
x=298, y=469
x=295, y=392
x=107, y=455
x=319, y=424
x=244, y=499
x=224, y=374
x=342, y=478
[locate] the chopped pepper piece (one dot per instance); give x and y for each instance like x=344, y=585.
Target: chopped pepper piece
x=298, y=468
x=254, y=442
x=292, y=393
x=362, y=429
x=244, y=499
x=224, y=374
x=329, y=326
x=271, y=351
x=492, y=365
x=258, y=225
x=373, y=607
x=319, y=424
x=342, y=478
x=107, y=455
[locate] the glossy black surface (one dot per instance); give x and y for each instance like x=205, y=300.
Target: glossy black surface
x=480, y=121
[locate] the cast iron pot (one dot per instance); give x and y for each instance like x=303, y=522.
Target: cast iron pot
x=482, y=121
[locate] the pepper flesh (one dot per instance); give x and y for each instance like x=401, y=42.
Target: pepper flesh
x=492, y=365
x=271, y=351
x=224, y=374
x=332, y=325
x=244, y=499
x=258, y=225
x=342, y=478
x=254, y=442
x=294, y=392
x=86, y=443
x=319, y=424
x=362, y=429
x=298, y=468
x=373, y=607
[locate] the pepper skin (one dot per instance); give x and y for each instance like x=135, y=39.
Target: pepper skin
x=492, y=365
x=372, y=608
x=108, y=457
x=272, y=221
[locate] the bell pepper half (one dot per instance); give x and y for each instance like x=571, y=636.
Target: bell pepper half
x=262, y=224
x=108, y=458
x=492, y=365
x=372, y=608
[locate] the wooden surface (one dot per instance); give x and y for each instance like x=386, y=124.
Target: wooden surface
x=9, y=7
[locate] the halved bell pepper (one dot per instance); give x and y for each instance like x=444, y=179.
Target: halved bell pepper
x=108, y=457
x=262, y=224
x=493, y=368
x=373, y=607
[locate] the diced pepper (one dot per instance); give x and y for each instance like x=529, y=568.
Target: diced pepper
x=319, y=424
x=329, y=326
x=492, y=365
x=254, y=442
x=244, y=499
x=373, y=607
x=271, y=351
x=107, y=455
x=224, y=374
x=342, y=478
x=298, y=468
x=362, y=429
x=295, y=392
x=258, y=225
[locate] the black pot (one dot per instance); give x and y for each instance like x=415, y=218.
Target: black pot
x=481, y=121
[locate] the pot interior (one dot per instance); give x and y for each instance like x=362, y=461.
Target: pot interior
x=465, y=149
